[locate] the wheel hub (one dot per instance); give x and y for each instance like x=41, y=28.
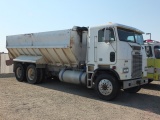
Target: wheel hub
x=105, y=87
x=31, y=74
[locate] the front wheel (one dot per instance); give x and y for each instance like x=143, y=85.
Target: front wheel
x=107, y=87
x=133, y=89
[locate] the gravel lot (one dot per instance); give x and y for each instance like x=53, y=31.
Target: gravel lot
x=54, y=100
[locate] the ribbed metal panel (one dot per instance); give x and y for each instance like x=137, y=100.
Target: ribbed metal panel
x=137, y=66
x=58, y=48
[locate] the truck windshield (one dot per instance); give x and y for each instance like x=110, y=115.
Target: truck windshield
x=148, y=51
x=157, y=52
x=130, y=36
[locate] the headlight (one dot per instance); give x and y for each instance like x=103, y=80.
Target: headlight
x=125, y=70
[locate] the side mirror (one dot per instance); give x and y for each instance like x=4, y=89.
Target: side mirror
x=107, y=35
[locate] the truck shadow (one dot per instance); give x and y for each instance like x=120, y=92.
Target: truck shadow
x=145, y=102
x=152, y=86
x=140, y=101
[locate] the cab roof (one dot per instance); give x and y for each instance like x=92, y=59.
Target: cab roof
x=121, y=26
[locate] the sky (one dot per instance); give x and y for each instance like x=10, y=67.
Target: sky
x=29, y=16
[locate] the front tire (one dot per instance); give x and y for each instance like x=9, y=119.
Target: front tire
x=107, y=87
x=20, y=72
x=133, y=89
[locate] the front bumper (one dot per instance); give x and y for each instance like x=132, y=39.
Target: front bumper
x=134, y=83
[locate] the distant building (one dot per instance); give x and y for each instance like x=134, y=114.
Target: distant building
x=3, y=67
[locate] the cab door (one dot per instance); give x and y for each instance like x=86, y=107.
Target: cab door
x=106, y=46
x=150, y=62
x=156, y=62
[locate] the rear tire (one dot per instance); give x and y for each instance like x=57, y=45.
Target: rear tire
x=20, y=71
x=133, y=89
x=107, y=87
x=41, y=75
x=33, y=74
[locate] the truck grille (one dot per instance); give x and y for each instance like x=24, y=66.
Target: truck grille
x=136, y=47
x=137, y=66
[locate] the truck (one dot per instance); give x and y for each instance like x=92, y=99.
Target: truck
x=106, y=58
x=152, y=48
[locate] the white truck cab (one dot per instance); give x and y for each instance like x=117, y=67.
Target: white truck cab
x=120, y=48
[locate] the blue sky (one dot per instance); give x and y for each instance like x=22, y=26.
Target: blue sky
x=28, y=16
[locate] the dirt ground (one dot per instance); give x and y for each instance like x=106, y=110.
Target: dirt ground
x=54, y=100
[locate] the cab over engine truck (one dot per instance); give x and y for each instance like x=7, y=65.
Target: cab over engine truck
x=107, y=58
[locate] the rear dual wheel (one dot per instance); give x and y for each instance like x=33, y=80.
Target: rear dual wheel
x=34, y=75
x=20, y=72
